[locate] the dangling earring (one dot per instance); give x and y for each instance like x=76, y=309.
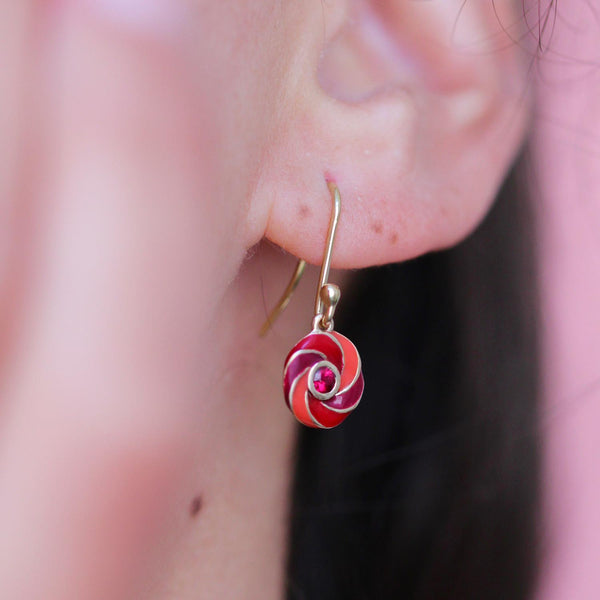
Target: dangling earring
x=322, y=376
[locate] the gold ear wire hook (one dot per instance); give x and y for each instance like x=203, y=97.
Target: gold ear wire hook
x=285, y=298
x=328, y=294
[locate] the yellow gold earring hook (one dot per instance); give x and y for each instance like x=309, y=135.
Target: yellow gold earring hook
x=328, y=294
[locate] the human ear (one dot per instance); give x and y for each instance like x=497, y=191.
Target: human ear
x=414, y=109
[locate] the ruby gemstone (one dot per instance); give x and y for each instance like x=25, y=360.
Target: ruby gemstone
x=324, y=380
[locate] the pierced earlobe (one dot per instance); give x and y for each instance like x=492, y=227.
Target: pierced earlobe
x=322, y=375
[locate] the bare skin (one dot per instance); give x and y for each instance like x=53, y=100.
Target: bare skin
x=148, y=148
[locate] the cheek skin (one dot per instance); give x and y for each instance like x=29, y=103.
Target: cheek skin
x=106, y=406
x=252, y=54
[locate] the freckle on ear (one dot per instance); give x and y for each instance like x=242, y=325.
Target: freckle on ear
x=196, y=506
x=377, y=228
x=393, y=238
x=303, y=211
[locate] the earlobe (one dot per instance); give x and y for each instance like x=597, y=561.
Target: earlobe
x=416, y=133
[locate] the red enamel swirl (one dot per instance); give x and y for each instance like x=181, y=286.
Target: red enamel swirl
x=315, y=348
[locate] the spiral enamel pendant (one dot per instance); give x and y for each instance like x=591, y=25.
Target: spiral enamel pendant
x=322, y=379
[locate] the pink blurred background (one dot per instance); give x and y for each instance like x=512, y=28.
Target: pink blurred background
x=566, y=183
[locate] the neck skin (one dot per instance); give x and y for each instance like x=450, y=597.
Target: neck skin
x=237, y=545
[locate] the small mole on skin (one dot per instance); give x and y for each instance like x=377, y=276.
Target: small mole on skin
x=377, y=228
x=195, y=506
x=393, y=238
x=304, y=211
